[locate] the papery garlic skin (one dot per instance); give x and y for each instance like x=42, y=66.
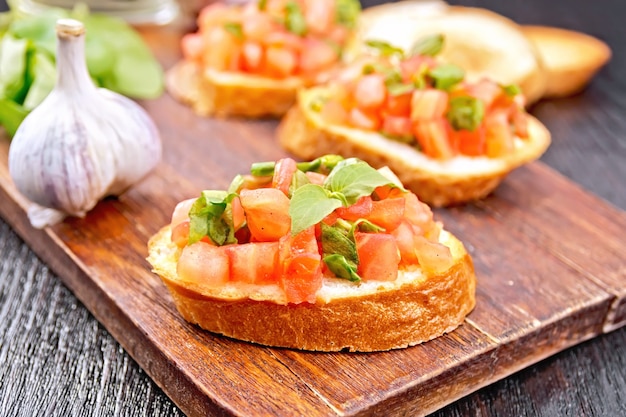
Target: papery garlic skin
x=81, y=143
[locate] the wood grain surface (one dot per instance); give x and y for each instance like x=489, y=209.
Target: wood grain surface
x=549, y=257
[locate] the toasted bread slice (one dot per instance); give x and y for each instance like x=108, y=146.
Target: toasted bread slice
x=304, y=133
x=370, y=316
x=219, y=93
x=570, y=58
x=483, y=43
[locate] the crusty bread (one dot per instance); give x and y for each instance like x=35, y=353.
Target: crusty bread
x=219, y=93
x=482, y=42
x=304, y=133
x=371, y=316
x=570, y=58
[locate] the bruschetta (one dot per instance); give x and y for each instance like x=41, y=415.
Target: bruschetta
x=449, y=140
x=249, y=60
x=326, y=255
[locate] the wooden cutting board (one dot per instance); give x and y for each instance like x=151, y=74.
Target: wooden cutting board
x=549, y=258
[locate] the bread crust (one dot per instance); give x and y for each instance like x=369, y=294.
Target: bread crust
x=223, y=94
x=305, y=134
x=403, y=314
x=570, y=58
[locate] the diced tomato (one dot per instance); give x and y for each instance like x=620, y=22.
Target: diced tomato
x=433, y=256
x=254, y=263
x=370, y=91
x=302, y=278
x=203, y=264
x=417, y=213
x=192, y=45
x=315, y=177
x=319, y=15
x=239, y=216
x=498, y=135
x=432, y=135
x=333, y=112
x=301, y=262
x=214, y=14
x=317, y=55
x=398, y=105
x=428, y=104
x=338, y=34
x=378, y=256
x=283, y=174
x=267, y=213
x=223, y=51
x=413, y=65
x=387, y=191
x=485, y=90
x=284, y=40
x=466, y=142
x=397, y=126
x=181, y=212
x=364, y=120
x=360, y=210
x=280, y=62
x=520, y=123
x=252, y=56
x=180, y=234
x=404, y=235
x=387, y=213
x=257, y=26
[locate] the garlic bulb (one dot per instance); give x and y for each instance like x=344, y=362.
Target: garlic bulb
x=82, y=143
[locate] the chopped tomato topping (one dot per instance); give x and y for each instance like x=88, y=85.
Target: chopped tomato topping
x=378, y=256
x=301, y=260
x=387, y=213
x=181, y=212
x=359, y=210
x=397, y=126
x=267, y=213
x=203, y=264
x=283, y=174
x=253, y=263
x=432, y=135
x=370, y=91
x=363, y=119
x=428, y=104
x=466, y=142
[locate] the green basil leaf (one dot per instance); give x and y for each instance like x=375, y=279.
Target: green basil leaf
x=354, y=178
x=397, y=89
x=446, y=76
x=294, y=19
x=341, y=267
x=309, y=205
x=206, y=218
x=299, y=180
x=339, y=251
x=429, y=46
x=347, y=12
x=236, y=184
x=323, y=165
x=384, y=48
x=263, y=169
x=511, y=90
x=234, y=29
x=465, y=113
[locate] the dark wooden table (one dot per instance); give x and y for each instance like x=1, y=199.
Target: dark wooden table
x=56, y=359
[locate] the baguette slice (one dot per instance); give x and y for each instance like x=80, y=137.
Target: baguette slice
x=482, y=42
x=305, y=134
x=218, y=93
x=570, y=58
x=373, y=316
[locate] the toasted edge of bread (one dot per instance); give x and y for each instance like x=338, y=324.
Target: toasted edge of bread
x=305, y=134
x=570, y=58
x=219, y=93
x=371, y=316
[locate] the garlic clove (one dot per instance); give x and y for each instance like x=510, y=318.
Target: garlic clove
x=81, y=143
